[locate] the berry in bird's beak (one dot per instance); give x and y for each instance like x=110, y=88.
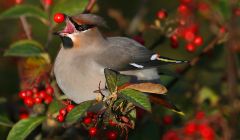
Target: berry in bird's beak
x=69, y=28
x=59, y=18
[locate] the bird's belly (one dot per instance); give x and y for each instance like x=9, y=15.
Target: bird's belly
x=79, y=82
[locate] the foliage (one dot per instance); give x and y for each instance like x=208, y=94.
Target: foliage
x=203, y=32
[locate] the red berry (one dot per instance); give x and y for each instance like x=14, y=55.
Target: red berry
x=200, y=115
x=162, y=14
x=70, y=107
x=171, y=135
x=42, y=94
x=92, y=131
x=37, y=100
x=59, y=17
x=48, y=99
x=29, y=93
x=174, y=41
x=22, y=94
x=167, y=119
x=190, y=128
x=206, y=132
x=222, y=30
x=60, y=118
x=237, y=11
x=23, y=116
x=198, y=41
x=189, y=35
x=63, y=111
x=183, y=9
x=18, y=1
x=87, y=120
x=112, y=123
x=48, y=2
x=28, y=101
x=112, y=135
x=190, y=47
x=49, y=90
x=35, y=90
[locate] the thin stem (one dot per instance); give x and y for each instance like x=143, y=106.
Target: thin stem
x=89, y=6
x=26, y=27
x=195, y=60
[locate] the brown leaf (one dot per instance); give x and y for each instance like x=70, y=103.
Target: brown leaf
x=147, y=87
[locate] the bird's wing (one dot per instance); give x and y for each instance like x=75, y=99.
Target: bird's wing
x=125, y=54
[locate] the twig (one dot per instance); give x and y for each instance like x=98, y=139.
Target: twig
x=89, y=6
x=194, y=61
x=26, y=27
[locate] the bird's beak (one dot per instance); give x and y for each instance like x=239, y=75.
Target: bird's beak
x=69, y=28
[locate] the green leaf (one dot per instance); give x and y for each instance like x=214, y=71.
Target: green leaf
x=69, y=7
x=25, y=48
x=24, y=127
x=78, y=111
x=137, y=98
x=163, y=100
x=132, y=115
x=4, y=121
x=114, y=79
x=54, y=107
x=122, y=79
x=111, y=79
x=23, y=10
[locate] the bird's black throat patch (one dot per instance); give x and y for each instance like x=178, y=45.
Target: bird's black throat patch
x=67, y=42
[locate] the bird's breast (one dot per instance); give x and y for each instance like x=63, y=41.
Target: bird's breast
x=78, y=77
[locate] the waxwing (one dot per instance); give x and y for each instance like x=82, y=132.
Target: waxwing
x=85, y=52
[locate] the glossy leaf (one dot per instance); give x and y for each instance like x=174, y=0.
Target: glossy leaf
x=25, y=48
x=137, y=98
x=115, y=79
x=111, y=79
x=69, y=7
x=55, y=106
x=163, y=100
x=78, y=111
x=24, y=10
x=4, y=121
x=24, y=127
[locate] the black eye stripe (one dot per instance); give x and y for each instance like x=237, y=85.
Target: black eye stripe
x=82, y=27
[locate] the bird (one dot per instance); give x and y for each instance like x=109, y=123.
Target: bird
x=85, y=52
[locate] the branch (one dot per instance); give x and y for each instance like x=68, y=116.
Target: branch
x=89, y=6
x=26, y=27
x=195, y=60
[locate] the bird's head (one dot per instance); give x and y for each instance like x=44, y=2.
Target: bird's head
x=80, y=28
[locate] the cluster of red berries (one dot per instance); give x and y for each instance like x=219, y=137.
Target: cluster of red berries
x=187, y=29
x=110, y=134
x=205, y=131
x=91, y=120
x=34, y=96
x=191, y=129
x=63, y=112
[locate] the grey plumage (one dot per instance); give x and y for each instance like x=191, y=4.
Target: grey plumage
x=79, y=70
